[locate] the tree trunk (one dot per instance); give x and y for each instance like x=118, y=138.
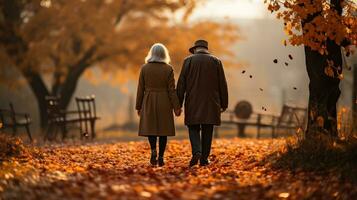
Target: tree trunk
x=69, y=87
x=324, y=93
x=40, y=91
x=324, y=90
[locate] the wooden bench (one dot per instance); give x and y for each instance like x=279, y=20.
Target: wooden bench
x=291, y=118
x=10, y=119
x=84, y=117
x=58, y=119
x=87, y=115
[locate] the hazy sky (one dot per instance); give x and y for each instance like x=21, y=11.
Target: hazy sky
x=232, y=9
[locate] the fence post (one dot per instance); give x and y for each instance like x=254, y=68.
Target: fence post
x=241, y=130
x=258, y=125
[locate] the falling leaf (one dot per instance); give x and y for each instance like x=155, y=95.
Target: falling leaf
x=295, y=88
x=284, y=42
x=290, y=57
x=261, y=89
x=286, y=64
x=250, y=76
x=243, y=71
x=275, y=61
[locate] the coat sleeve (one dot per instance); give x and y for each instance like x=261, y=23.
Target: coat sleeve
x=181, y=84
x=172, y=92
x=140, y=91
x=223, y=89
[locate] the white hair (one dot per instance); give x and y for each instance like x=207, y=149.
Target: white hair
x=158, y=53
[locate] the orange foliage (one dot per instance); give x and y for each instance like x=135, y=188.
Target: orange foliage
x=61, y=36
x=326, y=23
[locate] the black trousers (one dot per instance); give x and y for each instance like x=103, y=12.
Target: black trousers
x=201, y=139
x=162, y=144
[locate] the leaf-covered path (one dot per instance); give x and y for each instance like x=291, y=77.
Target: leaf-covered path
x=239, y=169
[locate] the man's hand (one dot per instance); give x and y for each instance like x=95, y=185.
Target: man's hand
x=138, y=111
x=178, y=112
x=223, y=110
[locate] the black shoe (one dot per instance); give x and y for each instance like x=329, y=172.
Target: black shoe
x=161, y=161
x=204, y=162
x=195, y=158
x=153, y=160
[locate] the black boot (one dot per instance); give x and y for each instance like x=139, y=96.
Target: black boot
x=204, y=162
x=161, y=161
x=153, y=160
x=195, y=158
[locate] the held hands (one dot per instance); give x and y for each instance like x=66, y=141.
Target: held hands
x=178, y=112
x=138, y=111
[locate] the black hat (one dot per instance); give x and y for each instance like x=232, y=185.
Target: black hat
x=199, y=43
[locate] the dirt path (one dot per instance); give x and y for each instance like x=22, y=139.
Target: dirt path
x=240, y=169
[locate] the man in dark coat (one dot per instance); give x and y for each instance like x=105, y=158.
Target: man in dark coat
x=202, y=84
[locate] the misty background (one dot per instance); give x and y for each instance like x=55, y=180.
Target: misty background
x=261, y=43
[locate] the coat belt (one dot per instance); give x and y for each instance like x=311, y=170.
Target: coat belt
x=156, y=89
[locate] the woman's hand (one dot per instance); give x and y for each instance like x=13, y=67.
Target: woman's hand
x=178, y=112
x=138, y=111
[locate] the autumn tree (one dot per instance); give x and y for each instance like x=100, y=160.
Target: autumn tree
x=326, y=28
x=52, y=43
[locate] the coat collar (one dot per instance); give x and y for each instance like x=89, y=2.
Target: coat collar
x=157, y=62
x=202, y=52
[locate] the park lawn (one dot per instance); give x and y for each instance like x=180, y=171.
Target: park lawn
x=239, y=169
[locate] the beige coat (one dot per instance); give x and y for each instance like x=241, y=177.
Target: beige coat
x=156, y=99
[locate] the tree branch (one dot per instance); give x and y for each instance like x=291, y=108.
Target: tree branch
x=76, y=70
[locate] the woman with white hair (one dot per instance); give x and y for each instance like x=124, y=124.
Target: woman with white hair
x=156, y=100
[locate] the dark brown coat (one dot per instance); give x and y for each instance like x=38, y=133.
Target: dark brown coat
x=156, y=99
x=203, y=85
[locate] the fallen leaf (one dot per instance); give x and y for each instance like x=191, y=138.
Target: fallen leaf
x=284, y=195
x=145, y=194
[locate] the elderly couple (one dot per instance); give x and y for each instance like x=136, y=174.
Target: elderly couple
x=203, y=87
